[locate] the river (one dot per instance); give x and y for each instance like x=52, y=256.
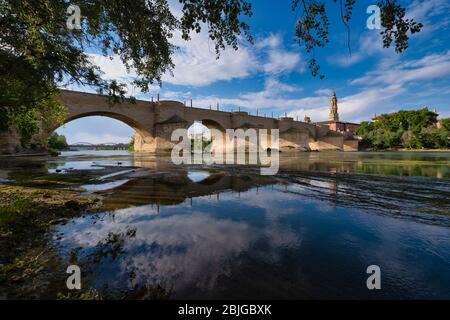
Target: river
x=216, y=232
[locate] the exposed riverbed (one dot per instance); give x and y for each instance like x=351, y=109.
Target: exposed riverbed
x=140, y=227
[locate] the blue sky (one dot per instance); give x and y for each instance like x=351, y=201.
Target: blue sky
x=271, y=75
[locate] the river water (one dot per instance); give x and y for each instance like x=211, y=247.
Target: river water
x=216, y=232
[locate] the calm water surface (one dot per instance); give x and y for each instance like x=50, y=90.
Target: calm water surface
x=227, y=232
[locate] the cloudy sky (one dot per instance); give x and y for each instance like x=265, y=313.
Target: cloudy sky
x=271, y=74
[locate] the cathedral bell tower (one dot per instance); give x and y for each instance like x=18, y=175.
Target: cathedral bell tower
x=333, y=115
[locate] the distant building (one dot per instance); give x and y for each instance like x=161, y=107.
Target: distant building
x=333, y=119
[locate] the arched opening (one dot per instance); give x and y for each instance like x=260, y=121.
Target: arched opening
x=99, y=131
x=96, y=130
x=200, y=136
x=208, y=134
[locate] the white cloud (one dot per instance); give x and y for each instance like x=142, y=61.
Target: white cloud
x=279, y=60
x=114, y=69
x=272, y=96
x=196, y=62
x=183, y=96
x=272, y=89
x=355, y=107
x=324, y=92
x=427, y=13
x=430, y=67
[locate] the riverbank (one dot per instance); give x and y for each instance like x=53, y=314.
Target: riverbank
x=405, y=150
x=34, y=201
x=27, y=215
x=25, y=155
x=424, y=150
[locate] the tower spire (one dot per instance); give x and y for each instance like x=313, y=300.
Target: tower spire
x=333, y=115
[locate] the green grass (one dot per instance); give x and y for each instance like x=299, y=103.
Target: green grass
x=10, y=211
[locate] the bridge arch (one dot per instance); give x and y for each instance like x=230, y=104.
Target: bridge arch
x=217, y=143
x=133, y=123
x=209, y=123
x=212, y=124
x=143, y=136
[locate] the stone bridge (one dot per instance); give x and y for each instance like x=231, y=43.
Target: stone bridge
x=154, y=123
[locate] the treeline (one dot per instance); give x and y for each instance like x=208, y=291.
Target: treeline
x=131, y=144
x=415, y=129
x=57, y=142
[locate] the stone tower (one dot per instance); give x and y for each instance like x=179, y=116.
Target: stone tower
x=334, y=115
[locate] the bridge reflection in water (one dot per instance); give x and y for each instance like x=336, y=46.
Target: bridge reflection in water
x=176, y=189
x=326, y=181
x=211, y=232
x=217, y=232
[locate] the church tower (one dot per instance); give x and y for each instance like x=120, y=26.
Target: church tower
x=334, y=115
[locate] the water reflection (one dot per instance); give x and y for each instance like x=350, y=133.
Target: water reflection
x=63, y=166
x=429, y=164
x=177, y=188
x=91, y=188
x=261, y=243
x=419, y=164
x=227, y=232
x=416, y=198
x=197, y=176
